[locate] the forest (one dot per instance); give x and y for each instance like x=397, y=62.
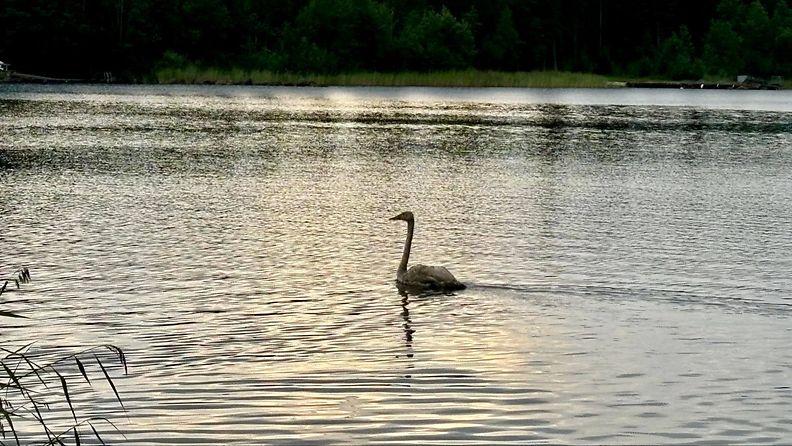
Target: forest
x=672, y=39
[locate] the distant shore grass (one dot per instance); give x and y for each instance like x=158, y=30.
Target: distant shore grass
x=463, y=78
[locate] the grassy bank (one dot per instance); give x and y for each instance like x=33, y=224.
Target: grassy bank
x=466, y=78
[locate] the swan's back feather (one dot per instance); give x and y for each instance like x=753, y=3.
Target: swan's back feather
x=433, y=277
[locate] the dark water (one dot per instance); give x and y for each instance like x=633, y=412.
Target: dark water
x=628, y=256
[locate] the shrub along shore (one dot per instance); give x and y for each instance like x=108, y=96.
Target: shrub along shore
x=461, y=78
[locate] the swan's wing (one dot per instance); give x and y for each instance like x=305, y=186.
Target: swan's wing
x=429, y=276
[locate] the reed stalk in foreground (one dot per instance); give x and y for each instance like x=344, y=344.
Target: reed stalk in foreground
x=30, y=388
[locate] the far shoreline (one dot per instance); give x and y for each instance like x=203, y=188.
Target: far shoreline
x=193, y=75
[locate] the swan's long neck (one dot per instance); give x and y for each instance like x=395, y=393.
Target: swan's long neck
x=407, y=244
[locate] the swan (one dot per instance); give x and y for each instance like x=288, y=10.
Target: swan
x=422, y=276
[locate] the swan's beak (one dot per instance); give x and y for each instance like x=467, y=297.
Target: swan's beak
x=404, y=216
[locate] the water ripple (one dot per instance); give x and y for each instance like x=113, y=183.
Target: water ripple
x=627, y=263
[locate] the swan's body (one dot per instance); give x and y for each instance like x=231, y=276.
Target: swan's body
x=422, y=276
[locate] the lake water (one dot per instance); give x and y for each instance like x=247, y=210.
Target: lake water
x=627, y=255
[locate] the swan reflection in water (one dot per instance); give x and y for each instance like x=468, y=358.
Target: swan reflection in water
x=407, y=325
x=421, y=277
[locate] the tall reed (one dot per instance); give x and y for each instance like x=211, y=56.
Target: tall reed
x=33, y=387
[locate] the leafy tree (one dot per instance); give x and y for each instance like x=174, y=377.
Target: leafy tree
x=258, y=31
x=757, y=39
x=500, y=49
x=206, y=26
x=723, y=50
x=343, y=34
x=436, y=41
x=676, y=57
x=731, y=11
x=781, y=25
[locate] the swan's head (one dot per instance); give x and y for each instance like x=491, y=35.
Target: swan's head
x=405, y=216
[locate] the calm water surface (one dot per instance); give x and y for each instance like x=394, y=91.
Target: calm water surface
x=628, y=256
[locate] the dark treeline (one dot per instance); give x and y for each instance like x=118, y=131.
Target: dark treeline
x=132, y=38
